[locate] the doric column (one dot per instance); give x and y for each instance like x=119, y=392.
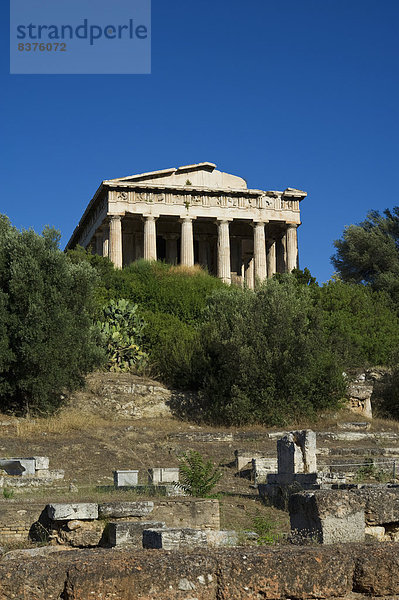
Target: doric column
x=171, y=248
x=259, y=251
x=292, y=247
x=271, y=258
x=224, y=270
x=105, y=251
x=150, y=238
x=115, y=240
x=187, y=242
x=99, y=243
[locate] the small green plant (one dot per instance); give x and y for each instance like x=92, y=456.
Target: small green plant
x=370, y=471
x=265, y=530
x=122, y=332
x=187, y=204
x=188, y=182
x=8, y=493
x=198, y=476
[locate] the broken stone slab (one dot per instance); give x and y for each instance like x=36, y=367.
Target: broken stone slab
x=126, y=478
x=163, y=475
x=355, y=425
x=69, y=512
x=45, y=479
x=296, y=452
x=117, y=510
x=327, y=516
x=223, y=538
x=243, y=457
x=18, y=466
x=128, y=533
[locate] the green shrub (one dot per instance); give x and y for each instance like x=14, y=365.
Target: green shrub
x=268, y=359
x=122, y=333
x=198, y=476
x=48, y=341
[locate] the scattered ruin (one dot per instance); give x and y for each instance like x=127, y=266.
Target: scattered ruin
x=28, y=472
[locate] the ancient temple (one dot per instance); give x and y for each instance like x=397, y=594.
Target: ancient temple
x=194, y=214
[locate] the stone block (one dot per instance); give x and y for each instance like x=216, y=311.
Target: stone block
x=41, y=462
x=119, y=510
x=163, y=475
x=261, y=467
x=170, y=539
x=70, y=512
x=328, y=516
x=129, y=533
x=126, y=478
x=376, y=532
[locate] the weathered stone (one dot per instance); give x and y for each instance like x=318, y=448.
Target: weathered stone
x=126, y=478
x=163, y=475
x=88, y=534
x=70, y=512
x=261, y=467
x=41, y=462
x=173, y=539
x=381, y=504
x=117, y=510
x=344, y=571
x=222, y=538
x=128, y=533
x=328, y=516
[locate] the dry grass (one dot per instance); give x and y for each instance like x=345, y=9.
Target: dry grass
x=65, y=422
x=187, y=271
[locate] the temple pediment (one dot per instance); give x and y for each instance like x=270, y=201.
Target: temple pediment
x=199, y=175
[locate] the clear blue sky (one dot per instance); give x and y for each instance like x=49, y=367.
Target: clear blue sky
x=286, y=94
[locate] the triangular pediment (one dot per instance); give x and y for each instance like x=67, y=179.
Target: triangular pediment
x=199, y=175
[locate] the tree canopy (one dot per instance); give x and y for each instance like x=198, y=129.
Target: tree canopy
x=48, y=341
x=368, y=253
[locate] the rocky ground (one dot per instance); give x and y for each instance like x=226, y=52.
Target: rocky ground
x=103, y=429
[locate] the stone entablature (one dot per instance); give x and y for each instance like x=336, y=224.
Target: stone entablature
x=194, y=214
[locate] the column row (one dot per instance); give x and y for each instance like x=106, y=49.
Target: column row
x=264, y=265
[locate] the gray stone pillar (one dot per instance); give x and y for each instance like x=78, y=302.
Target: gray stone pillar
x=115, y=240
x=249, y=278
x=187, y=242
x=105, y=250
x=259, y=251
x=150, y=238
x=99, y=243
x=224, y=270
x=271, y=258
x=171, y=248
x=292, y=247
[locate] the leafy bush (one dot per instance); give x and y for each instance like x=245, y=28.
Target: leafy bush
x=198, y=476
x=268, y=359
x=48, y=341
x=362, y=324
x=266, y=531
x=122, y=332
